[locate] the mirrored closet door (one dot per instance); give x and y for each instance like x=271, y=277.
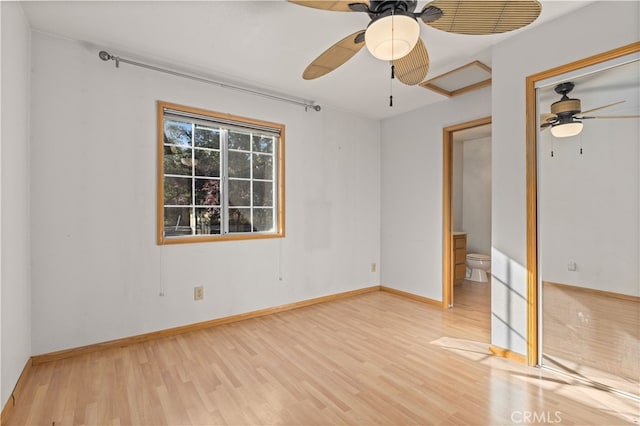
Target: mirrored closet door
x=589, y=223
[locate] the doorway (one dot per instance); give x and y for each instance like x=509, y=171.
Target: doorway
x=453, y=266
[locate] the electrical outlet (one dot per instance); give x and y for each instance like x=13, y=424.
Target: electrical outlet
x=572, y=266
x=373, y=266
x=198, y=293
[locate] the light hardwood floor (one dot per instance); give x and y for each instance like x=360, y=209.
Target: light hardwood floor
x=593, y=335
x=372, y=359
x=472, y=301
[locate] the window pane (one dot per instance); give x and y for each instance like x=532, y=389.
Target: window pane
x=239, y=164
x=262, y=166
x=207, y=163
x=207, y=192
x=263, y=194
x=177, y=191
x=207, y=137
x=176, y=221
x=239, y=193
x=177, y=160
x=239, y=140
x=263, y=220
x=177, y=133
x=239, y=220
x=207, y=221
x=263, y=143
x=219, y=176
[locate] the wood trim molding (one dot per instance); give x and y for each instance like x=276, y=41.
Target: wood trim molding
x=127, y=341
x=597, y=292
x=159, y=173
x=412, y=296
x=14, y=398
x=532, y=224
x=432, y=84
x=587, y=62
x=447, y=211
x=506, y=353
x=447, y=218
x=532, y=184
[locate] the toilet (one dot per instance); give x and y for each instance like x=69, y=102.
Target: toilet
x=477, y=267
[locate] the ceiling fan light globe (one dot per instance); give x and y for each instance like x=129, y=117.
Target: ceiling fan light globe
x=392, y=37
x=567, y=130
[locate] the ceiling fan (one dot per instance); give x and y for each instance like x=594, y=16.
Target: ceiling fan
x=566, y=114
x=393, y=34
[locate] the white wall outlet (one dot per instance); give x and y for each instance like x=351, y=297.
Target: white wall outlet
x=198, y=293
x=572, y=266
x=374, y=266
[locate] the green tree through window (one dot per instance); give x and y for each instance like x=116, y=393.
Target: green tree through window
x=220, y=177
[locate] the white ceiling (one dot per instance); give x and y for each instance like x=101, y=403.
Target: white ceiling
x=265, y=44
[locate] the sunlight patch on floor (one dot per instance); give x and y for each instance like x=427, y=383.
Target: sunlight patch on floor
x=622, y=407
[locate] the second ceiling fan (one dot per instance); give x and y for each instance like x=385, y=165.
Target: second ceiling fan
x=393, y=34
x=565, y=118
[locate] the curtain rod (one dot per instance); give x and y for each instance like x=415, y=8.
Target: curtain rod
x=106, y=56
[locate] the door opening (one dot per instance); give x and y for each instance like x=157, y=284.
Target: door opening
x=449, y=265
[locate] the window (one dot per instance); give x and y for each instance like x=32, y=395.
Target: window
x=220, y=177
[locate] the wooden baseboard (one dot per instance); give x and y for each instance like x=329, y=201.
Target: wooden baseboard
x=411, y=296
x=602, y=293
x=17, y=390
x=127, y=341
x=506, y=353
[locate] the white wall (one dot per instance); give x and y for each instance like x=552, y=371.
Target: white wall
x=14, y=191
x=476, y=199
x=536, y=50
x=97, y=271
x=457, y=183
x=411, y=209
x=471, y=194
x=589, y=206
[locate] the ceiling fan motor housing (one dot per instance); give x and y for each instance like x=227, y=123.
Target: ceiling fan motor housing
x=566, y=107
x=380, y=8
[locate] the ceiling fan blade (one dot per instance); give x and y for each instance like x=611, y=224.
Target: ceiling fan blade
x=608, y=116
x=476, y=17
x=336, y=5
x=412, y=68
x=335, y=56
x=602, y=107
x=547, y=117
x=429, y=14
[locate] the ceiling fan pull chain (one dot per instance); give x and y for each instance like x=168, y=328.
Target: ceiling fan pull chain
x=391, y=85
x=393, y=68
x=581, y=144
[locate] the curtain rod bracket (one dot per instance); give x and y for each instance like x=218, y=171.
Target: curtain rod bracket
x=106, y=56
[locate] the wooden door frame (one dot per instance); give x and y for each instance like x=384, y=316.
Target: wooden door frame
x=447, y=211
x=533, y=305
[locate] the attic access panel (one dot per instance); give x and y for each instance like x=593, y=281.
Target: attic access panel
x=471, y=76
